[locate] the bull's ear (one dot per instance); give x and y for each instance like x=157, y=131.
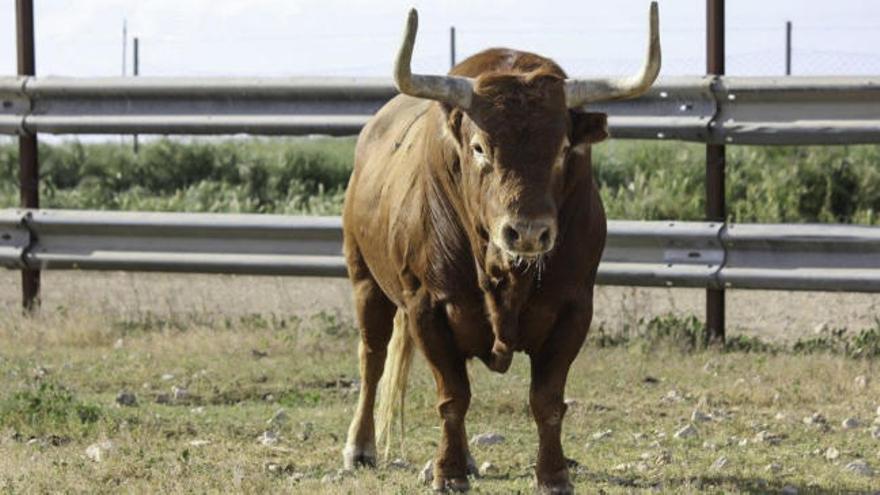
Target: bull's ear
x=453, y=121
x=588, y=127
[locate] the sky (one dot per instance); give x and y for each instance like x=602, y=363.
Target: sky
x=360, y=38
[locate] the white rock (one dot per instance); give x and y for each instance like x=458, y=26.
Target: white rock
x=878, y=411
x=488, y=469
x=710, y=445
x=861, y=382
x=279, y=418
x=850, y=423
x=699, y=416
x=780, y=416
x=100, y=452
x=744, y=442
x=815, y=419
x=686, y=432
x=199, y=443
x=118, y=344
x=672, y=396
x=198, y=410
x=720, y=463
x=167, y=376
x=820, y=328
x=572, y=402
x=179, y=393
x=832, y=453
x=487, y=439
x=773, y=467
x=765, y=436
x=859, y=467
x=268, y=438
x=399, y=463
x=426, y=475
x=599, y=435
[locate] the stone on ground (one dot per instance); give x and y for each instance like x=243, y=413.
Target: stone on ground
x=100, y=452
x=487, y=439
x=688, y=431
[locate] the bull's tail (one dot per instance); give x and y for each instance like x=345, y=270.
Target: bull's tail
x=392, y=388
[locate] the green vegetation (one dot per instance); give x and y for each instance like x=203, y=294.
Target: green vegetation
x=639, y=179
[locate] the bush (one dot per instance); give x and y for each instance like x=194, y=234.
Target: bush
x=639, y=180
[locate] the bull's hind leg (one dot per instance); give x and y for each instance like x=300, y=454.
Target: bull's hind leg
x=375, y=314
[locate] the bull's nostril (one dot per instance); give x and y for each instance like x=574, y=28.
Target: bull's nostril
x=510, y=234
x=545, y=237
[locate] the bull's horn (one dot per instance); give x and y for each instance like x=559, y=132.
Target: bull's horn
x=582, y=91
x=456, y=91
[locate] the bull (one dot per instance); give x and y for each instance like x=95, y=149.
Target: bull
x=473, y=228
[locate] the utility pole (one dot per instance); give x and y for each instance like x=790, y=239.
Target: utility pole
x=716, y=210
x=788, y=48
x=137, y=67
x=124, y=46
x=452, y=46
x=28, y=164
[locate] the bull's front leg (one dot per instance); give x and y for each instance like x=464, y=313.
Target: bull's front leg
x=550, y=368
x=432, y=334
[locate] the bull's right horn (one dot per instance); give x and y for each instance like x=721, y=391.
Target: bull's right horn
x=579, y=92
x=454, y=90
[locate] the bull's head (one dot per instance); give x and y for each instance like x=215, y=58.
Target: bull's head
x=518, y=135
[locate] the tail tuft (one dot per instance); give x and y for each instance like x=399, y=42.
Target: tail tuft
x=392, y=388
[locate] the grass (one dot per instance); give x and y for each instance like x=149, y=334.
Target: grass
x=60, y=373
x=647, y=180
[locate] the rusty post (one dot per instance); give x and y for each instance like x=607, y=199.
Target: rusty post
x=716, y=210
x=28, y=171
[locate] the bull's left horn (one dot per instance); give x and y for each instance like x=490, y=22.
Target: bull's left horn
x=579, y=92
x=454, y=90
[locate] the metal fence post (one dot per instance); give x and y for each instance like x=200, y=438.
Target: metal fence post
x=452, y=47
x=715, y=162
x=29, y=171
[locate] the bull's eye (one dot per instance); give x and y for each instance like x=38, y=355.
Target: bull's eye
x=479, y=153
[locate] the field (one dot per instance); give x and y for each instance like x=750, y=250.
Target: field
x=243, y=348
x=168, y=383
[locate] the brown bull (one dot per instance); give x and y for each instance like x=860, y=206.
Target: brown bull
x=473, y=228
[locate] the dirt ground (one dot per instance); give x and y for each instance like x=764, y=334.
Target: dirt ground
x=771, y=315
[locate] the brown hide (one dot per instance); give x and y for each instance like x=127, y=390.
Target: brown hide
x=406, y=213
x=438, y=212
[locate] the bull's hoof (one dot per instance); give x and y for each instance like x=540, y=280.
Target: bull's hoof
x=472, y=469
x=353, y=458
x=446, y=485
x=557, y=488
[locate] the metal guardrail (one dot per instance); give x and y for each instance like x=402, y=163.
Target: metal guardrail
x=715, y=110
x=649, y=254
